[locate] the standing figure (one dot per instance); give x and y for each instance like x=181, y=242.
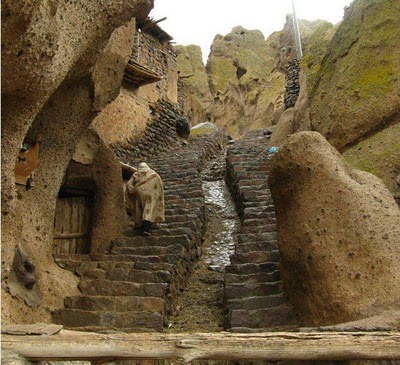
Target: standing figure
x=145, y=198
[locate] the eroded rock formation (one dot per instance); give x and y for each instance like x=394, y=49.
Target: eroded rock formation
x=337, y=232
x=245, y=90
x=197, y=99
x=53, y=68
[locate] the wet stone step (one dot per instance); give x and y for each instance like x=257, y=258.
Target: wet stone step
x=114, y=303
x=116, y=288
x=251, y=303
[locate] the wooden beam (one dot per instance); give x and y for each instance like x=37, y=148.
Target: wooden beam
x=73, y=345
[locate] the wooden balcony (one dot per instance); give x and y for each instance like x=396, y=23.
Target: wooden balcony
x=139, y=75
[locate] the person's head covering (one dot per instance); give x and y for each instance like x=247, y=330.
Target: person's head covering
x=143, y=167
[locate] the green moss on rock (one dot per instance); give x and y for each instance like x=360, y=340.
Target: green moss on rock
x=379, y=155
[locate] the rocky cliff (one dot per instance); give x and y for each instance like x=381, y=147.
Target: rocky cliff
x=55, y=59
x=351, y=88
x=193, y=78
x=246, y=90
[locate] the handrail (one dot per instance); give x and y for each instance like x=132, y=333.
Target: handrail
x=270, y=346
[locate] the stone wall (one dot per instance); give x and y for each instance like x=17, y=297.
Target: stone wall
x=158, y=135
x=292, y=84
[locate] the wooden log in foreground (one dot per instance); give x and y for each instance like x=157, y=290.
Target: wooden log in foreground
x=73, y=345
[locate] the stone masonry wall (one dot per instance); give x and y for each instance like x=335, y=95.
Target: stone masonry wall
x=158, y=135
x=292, y=84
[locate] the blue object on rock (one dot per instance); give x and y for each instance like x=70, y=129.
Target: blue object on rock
x=273, y=150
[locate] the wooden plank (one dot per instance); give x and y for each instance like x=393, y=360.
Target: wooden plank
x=275, y=346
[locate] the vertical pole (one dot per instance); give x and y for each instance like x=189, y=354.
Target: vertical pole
x=297, y=33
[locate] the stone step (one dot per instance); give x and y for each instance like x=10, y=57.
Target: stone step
x=115, y=303
x=265, y=246
x=257, y=237
x=177, y=200
x=163, y=231
x=255, y=257
x=182, y=219
x=261, y=318
x=150, y=241
x=239, y=291
x=257, y=302
x=118, y=288
x=260, y=204
x=138, y=276
x=256, y=228
x=270, y=208
x=192, y=225
x=73, y=262
x=259, y=277
x=244, y=269
x=176, y=249
x=72, y=318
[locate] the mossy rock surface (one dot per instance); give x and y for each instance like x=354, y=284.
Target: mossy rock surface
x=194, y=83
x=380, y=155
x=357, y=87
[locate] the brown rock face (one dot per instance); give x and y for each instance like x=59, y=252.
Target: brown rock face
x=358, y=78
x=338, y=232
x=197, y=99
x=55, y=79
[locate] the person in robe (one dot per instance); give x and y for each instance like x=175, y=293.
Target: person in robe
x=145, y=198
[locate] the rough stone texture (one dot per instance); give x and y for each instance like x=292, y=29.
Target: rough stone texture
x=48, y=53
x=380, y=155
x=246, y=92
x=197, y=101
x=337, y=233
x=358, y=78
x=159, y=134
x=283, y=129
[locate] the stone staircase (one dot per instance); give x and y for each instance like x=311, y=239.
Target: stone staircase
x=254, y=296
x=134, y=287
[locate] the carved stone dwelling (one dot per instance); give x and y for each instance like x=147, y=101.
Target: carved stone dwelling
x=93, y=87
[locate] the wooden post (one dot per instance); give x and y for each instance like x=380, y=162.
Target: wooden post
x=275, y=346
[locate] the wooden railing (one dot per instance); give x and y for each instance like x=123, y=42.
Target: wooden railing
x=270, y=346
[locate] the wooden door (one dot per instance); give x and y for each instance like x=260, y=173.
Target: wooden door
x=72, y=224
